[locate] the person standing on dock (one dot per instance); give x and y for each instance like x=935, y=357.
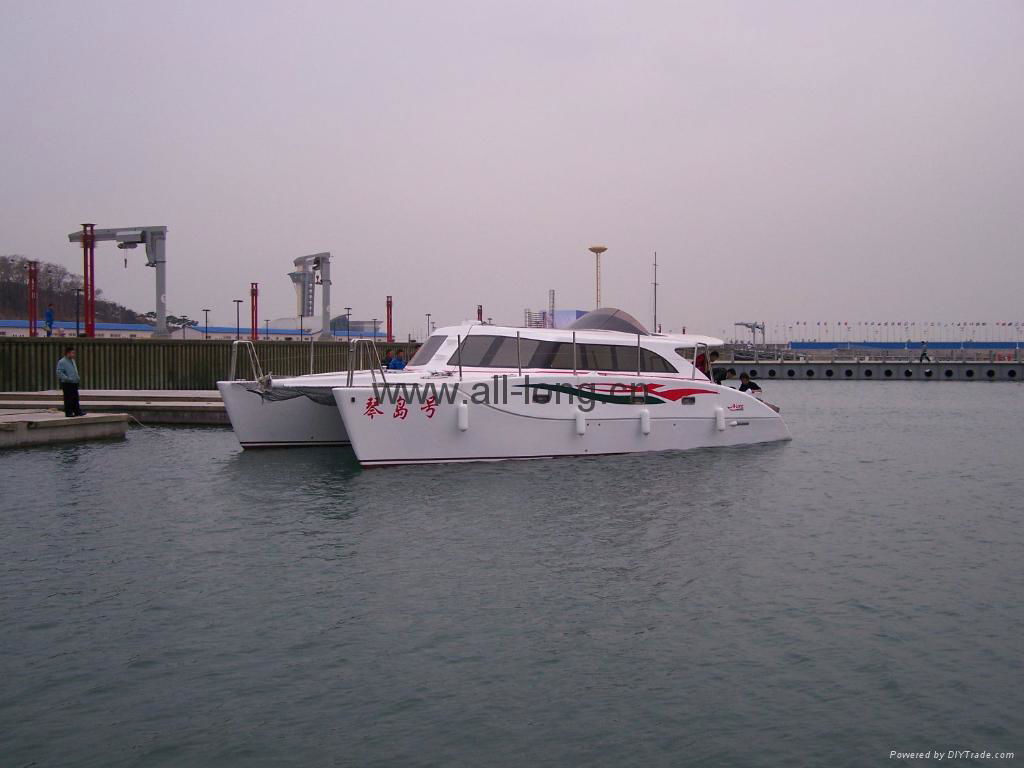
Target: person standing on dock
x=48, y=320
x=67, y=375
x=924, y=353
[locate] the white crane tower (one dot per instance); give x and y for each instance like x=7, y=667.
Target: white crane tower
x=309, y=271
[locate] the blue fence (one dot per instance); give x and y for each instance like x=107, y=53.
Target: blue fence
x=902, y=345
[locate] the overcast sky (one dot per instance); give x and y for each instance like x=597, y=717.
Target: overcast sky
x=787, y=160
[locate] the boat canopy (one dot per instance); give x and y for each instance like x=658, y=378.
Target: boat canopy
x=609, y=319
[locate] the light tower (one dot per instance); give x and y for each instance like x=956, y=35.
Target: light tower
x=597, y=250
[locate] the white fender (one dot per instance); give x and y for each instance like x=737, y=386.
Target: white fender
x=645, y=422
x=581, y=422
x=720, y=418
x=462, y=409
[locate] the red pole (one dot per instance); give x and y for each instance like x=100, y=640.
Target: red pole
x=92, y=282
x=254, y=296
x=33, y=298
x=85, y=277
x=391, y=335
x=89, y=278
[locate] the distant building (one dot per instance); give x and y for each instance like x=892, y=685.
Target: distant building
x=276, y=332
x=562, y=318
x=340, y=327
x=65, y=329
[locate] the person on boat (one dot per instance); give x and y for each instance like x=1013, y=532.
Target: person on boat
x=396, y=363
x=924, y=353
x=747, y=384
x=720, y=374
x=702, y=365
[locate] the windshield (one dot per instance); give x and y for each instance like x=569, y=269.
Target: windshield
x=427, y=351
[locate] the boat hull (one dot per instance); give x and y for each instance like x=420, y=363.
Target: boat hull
x=669, y=415
x=264, y=423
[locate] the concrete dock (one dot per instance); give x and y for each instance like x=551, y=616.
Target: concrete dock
x=160, y=406
x=20, y=428
x=864, y=369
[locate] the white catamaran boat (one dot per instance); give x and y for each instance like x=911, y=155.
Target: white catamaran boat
x=615, y=387
x=605, y=385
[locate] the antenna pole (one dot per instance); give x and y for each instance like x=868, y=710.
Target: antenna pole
x=655, y=292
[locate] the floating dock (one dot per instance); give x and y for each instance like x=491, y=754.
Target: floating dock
x=159, y=406
x=19, y=428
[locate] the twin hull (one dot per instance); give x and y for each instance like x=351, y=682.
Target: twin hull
x=398, y=425
x=262, y=423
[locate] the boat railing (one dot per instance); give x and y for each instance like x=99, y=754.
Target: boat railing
x=254, y=360
x=355, y=349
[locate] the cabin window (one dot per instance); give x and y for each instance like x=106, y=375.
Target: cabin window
x=553, y=354
x=501, y=352
x=427, y=351
x=606, y=357
x=652, y=362
x=617, y=357
x=493, y=352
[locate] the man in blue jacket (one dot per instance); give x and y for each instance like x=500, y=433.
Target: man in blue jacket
x=67, y=375
x=48, y=320
x=396, y=363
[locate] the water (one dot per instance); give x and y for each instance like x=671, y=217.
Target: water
x=170, y=600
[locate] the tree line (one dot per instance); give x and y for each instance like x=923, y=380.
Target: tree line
x=57, y=286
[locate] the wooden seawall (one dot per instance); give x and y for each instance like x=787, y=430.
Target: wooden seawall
x=28, y=365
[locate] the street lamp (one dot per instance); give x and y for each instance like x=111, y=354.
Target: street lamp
x=238, y=318
x=184, y=325
x=597, y=250
x=428, y=327
x=206, y=333
x=348, y=324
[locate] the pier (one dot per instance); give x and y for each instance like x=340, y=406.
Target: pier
x=185, y=407
x=21, y=428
